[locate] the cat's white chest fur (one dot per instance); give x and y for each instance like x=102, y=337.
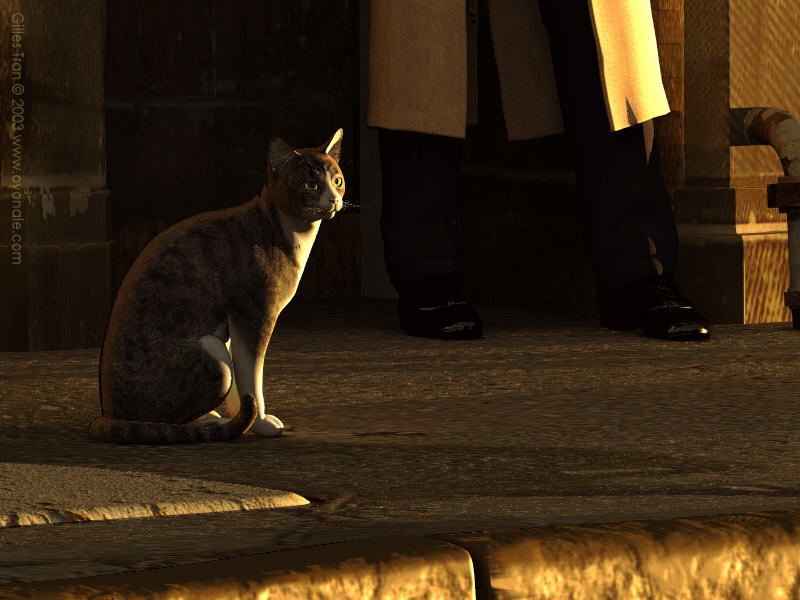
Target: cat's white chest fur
x=301, y=236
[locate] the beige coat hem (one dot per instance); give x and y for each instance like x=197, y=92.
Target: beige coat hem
x=420, y=76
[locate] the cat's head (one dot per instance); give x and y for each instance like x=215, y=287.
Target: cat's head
x=306, y=183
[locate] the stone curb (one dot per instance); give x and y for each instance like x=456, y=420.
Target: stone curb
x=744, y=556
x=396, y=566
x=37, y=494
x=77, y=514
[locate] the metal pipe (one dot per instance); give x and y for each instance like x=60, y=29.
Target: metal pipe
x=777, y=128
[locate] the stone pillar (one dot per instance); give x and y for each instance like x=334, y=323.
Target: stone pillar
x=54, y=246
x=718, y=56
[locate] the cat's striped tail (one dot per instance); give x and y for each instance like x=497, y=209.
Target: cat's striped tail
x=108, y=429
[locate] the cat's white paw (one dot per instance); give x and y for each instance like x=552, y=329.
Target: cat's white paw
x=270, y=426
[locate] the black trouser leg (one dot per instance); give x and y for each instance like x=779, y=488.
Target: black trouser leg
x=624, y=199
x=421, y=187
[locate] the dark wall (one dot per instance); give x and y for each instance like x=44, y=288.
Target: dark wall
x=195, y=89
x=521, y=234
x=54, y=263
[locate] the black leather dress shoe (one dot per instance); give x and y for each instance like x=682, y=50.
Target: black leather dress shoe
x=655, y=306
x=436, y=308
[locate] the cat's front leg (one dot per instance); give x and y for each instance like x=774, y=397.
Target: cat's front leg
x=248, y=367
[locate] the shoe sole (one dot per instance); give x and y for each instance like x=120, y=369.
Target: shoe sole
x=681, y=336
x=462, y=334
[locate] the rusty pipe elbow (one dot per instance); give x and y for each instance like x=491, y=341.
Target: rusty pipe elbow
x=777, y=128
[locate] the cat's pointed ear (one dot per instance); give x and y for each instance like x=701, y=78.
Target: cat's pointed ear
x=334, y=146
x=280, y=153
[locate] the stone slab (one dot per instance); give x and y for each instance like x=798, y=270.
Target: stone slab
x=384, y=567
x=744, y=556
x=40, y=494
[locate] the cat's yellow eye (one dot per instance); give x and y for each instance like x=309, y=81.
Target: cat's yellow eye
x=311, y=186
x=338, y=181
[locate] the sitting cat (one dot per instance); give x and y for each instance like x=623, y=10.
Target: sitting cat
x=226, y=273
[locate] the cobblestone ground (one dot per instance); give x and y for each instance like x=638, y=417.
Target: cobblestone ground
x=544, y=421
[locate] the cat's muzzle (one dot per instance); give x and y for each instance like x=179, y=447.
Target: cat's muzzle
x=337, y=206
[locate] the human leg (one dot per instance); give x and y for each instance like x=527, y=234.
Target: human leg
x=421, y=186
x=628, y=224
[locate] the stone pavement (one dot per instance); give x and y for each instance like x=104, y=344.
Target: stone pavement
x=546, y=422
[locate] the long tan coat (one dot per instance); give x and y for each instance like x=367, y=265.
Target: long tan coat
x=423, y=68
